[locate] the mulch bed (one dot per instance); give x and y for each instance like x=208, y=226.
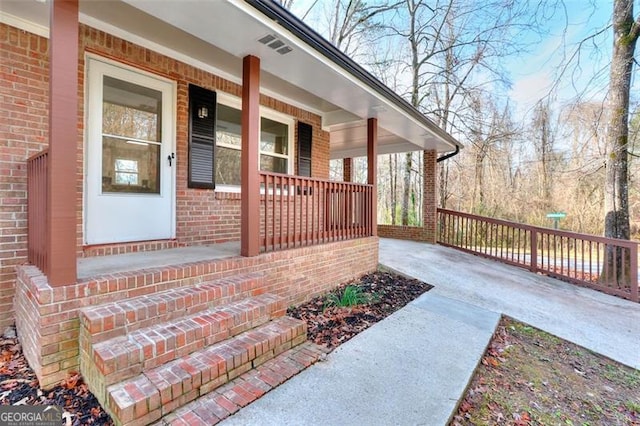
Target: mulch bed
x=329, y=327
x=333, y=326
x=19, y=386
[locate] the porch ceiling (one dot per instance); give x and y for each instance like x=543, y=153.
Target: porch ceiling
x=217, y=34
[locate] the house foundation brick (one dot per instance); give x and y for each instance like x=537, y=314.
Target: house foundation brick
x=47, y=318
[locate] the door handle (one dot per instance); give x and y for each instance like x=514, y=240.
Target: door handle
x=171, y=157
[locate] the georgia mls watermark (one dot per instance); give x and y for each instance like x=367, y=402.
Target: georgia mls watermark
x=27, y=415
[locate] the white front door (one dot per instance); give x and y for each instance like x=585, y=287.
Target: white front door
x=130, y=161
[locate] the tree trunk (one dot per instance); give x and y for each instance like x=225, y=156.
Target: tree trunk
x=616, y=194
x=616, y=200
x=478, y=185
x=406, y=194
x=444, y=184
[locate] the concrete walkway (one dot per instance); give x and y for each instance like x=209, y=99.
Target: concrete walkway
x=599, y=322
x=412, y=368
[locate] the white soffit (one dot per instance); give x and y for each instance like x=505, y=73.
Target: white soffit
x=31, y=16
x=216, y=34
x=236, y=27
x=134, y=25
x=131, y=24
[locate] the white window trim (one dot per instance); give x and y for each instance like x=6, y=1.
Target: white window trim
x=235, y=102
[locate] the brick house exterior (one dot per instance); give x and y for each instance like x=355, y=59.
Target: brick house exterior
x=25, y=84
x=327, y=245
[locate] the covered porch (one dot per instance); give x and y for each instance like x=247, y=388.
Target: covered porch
x=277, y=211
x=285, y=235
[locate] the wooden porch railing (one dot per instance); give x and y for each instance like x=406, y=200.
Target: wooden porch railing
x=37, y=209
x=297, y=211
x=605, y=264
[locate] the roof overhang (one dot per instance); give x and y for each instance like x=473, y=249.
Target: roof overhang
x=216, y=34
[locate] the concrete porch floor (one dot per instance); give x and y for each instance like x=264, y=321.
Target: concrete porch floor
x=103, y=265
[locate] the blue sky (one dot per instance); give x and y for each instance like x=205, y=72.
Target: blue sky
x=587, y=76
x=532, y=73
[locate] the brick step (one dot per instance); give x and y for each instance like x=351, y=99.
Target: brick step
x=157, y=392
x=124, y=357
x=229, y=398
x=103, y=322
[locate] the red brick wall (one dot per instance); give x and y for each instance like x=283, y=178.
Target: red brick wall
x=428, y=231
x=203, y=216
x=24, y=84
x=48, y=322
x=400, y=232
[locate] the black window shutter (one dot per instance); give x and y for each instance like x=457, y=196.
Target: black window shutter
x=202, y=137
x=305, y=132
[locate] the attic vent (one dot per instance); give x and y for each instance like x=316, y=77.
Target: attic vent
x=276, y=44
x=267, y=39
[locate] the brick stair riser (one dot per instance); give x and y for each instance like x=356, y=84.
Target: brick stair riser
x=119, y=318
x=158, y=392
x=127, y=356
x=110, y=321
x=229, y=398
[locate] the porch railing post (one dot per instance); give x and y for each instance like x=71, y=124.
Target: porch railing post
x=61, y=201
x=633, y=284
x=534, y=250
x=250, y=184
x=372, y=171
x=347, y=169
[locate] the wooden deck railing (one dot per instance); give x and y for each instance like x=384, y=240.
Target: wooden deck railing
x=37, y=209
x=605, y=264
x=297, y=211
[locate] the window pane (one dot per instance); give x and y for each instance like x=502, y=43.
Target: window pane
x=274, y=137
x=273, y=164
x=227, y=166
x=131, y=111
x=126, y=172
x=228, y=127
x=130, y=167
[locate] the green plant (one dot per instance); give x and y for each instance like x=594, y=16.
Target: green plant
x=351, y=295
x=632, y=406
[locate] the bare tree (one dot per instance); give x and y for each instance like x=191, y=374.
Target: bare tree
x=580, y=184
x=489, y=128
x=543, y=138
x=350, y=25
x=287, y=4
x=452, y=50
x=616, y=201
x=444, y=55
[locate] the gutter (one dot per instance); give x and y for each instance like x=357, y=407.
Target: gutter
x=291, y=23
x=449, y=155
